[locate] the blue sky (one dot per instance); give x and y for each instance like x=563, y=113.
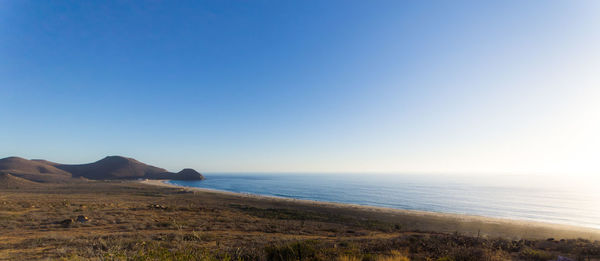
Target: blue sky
x=385, y=86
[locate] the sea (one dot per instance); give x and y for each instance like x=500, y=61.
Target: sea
x=533, y=198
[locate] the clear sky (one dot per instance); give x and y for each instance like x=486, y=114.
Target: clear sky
x=386, y=86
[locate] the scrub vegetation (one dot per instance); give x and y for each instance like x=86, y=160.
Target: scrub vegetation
x=125, y=220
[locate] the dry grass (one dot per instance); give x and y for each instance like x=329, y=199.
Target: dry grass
x=130, y=221
x=392, y=256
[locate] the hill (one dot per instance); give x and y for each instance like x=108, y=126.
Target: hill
x=8, y=181
x=21, y=165
x=185, y=174
x=111, y=167
x=33, y=170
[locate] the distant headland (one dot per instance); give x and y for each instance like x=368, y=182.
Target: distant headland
x=108, y=168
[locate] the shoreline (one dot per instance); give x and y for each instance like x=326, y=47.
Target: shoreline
x=151, y=218
x=460, y=218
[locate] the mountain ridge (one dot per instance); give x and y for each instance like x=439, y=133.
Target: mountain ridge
x=108, y=168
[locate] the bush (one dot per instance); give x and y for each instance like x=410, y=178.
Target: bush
x=535, y=255
x=296, y=251
x=393, y=256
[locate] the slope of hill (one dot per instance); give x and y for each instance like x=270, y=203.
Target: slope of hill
x=18, y=165
x=189, y=174
x=8, y=181
x=33, y=170
x=111, y=167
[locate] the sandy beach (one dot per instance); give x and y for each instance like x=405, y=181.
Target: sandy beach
x=151, y=220
x=421, y=220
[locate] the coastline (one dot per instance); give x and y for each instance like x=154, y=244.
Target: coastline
x=461, y=223
x=146, y=218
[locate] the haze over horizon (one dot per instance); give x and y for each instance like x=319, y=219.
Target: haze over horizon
x=335, y=86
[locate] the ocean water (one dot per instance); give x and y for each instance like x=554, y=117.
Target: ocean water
x=515, y=197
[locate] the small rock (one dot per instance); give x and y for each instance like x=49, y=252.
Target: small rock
x=66, y=222
x=82, y=219
x=157, y=206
